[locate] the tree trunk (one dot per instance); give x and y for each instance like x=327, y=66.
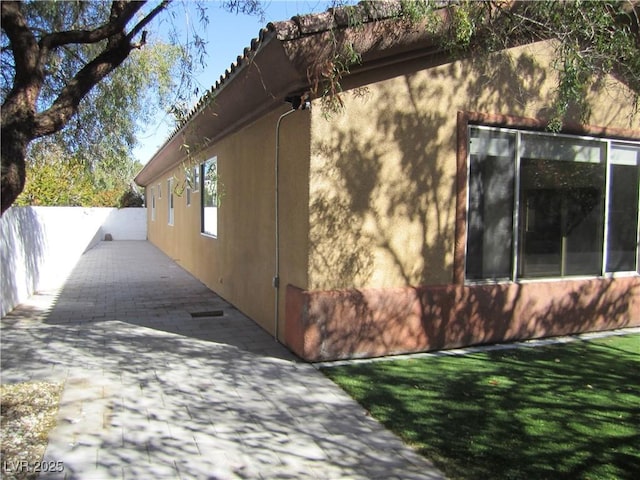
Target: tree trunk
x=17, y=116
x=21, y=122
x=14, y=152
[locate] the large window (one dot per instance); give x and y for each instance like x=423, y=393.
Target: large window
x=209, y=196
x=544, y=205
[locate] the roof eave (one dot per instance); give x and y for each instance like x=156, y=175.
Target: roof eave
x=257, y=86
x=280, y=65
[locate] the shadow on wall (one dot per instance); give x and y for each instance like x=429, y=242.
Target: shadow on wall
x=374, y=322
x=384, y=209
x=23, y=253
x=383, y=215
x=379, y=221
x=41, y=245
x=385, y=168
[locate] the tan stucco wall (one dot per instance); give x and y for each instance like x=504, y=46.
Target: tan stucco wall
x=367, y=196
x=382, y=192
x=239, y=264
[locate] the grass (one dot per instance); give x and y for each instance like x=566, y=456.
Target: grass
x=28, y=413
x=562, y=411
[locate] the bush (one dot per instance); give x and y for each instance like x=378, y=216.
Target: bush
x=131, y=198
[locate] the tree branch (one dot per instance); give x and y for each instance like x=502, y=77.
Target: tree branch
x=54, y=118
x=148, y=18
x=118, y=49
x=117, y=22
x=21, y=40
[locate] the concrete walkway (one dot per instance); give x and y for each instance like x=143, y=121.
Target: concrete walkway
x=152, y=392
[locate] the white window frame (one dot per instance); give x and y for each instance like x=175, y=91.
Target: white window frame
x=607, y=146
x=192, y=182
x=209, y=214
x=153, y=203
x=196, y=178
x=170, y=202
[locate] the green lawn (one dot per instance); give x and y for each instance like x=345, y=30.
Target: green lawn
x=562, y=411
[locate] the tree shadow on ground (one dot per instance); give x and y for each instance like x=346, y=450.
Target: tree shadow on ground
x=149, y=392
x=564, y=411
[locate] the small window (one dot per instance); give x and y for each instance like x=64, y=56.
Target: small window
x=196, y=178
x=209, y=196
x=192, y=176
x=159, y=190
x=153, y=203
x=170, y=196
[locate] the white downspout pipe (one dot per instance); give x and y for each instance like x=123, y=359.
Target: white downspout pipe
x=276, y=276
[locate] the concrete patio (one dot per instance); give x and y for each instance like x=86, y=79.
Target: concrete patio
x=153, y=391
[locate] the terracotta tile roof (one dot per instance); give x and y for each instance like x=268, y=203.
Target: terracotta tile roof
x=334, y=18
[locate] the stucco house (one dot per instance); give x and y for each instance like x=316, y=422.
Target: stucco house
x=433, y=211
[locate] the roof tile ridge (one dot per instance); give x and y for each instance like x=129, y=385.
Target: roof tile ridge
x=298, y=26
x=210, y=93
x=344, y=16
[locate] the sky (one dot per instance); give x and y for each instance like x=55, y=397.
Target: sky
x=227, y=35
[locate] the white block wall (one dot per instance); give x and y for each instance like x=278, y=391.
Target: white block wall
x=41, y=245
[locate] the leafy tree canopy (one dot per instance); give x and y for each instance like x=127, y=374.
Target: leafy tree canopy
x=81, y=75
x=593, y=39
x=100, y=137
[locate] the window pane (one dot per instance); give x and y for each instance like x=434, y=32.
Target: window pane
x=490, y=213
x=622, y=239
x=561, y=211
x=209, y=196
x=170, y=202
x=196, y=178
x=153, y=203
x=548, y=147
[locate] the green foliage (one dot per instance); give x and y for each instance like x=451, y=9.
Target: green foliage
x=104, y=128
x=98, y=141
x=131, y=198
x=247, y=7
x=57, y=182
x=330, y=89
x=463, y=25
x=58, y=178
x=593, y=39
x=415, y=11
x=99, y=138
x=563, y=411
